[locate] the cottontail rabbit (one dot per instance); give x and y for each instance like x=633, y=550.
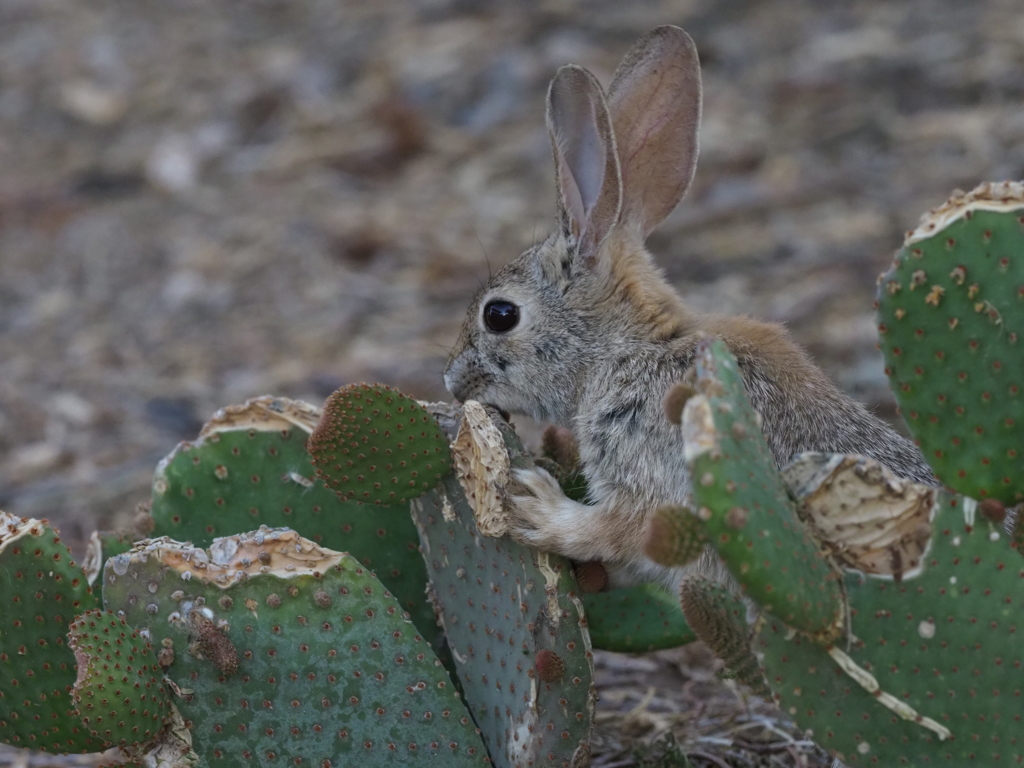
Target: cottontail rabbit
x=584, y=331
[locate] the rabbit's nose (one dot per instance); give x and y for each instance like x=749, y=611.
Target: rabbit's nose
x=451, y=378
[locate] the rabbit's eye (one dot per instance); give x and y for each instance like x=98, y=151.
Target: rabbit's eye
x=501, y=316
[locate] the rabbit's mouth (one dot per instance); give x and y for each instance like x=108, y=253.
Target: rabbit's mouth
x=466, y=381
x=475, y=391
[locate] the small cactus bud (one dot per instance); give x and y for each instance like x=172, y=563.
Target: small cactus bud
x=675, y=536
x=719, y=618
x=592, y=577
x=992, y=510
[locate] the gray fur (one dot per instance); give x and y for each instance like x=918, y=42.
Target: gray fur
x=592, y=355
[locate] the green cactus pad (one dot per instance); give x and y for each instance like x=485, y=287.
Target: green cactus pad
x=738, y=493
x=951, y=319
x=375, y=445
x=636, y=619
x=501, y=604
x=719, y=618
x=944, y=643
x=119, y=693
x=283, y=650
x=41, y=591
x=249, y=467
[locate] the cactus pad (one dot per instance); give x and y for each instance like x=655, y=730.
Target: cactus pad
x=740, y=496
x=249, y=467
x=375, y=445
x=636, y=619
x=119, y=693
x=282, y=649
x=951, y=319
x=502, y=605
x=41, y=591
x=932, y=673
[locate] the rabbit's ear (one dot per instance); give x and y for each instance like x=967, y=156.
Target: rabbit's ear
x=586, y=165
x=655, y=102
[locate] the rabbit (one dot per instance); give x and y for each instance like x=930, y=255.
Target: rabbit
x=584, y=331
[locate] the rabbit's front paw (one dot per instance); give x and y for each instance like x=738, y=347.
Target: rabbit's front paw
x=542, y=516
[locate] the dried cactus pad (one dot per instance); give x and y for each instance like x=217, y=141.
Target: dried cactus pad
x=741, y=498
x=41, y=591
x=934, y=670
x=285, y=651
x=483, y=467
x=119, y=693
x=377, y=446
x=249, y=467
x=502, y=604
x=869, y=519
x=951, y=320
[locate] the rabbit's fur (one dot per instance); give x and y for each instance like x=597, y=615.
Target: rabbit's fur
x=601, y=336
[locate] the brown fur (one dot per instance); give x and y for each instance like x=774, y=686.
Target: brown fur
x=634, y=281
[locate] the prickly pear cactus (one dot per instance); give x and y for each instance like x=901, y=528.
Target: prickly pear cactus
x=119, y=692
x=375, y=445
x=636, y=619
x=932, y=668
x=41, y=591
x=249, y=467
x=951, y=321
x=283, y=650
x=746, y=509
x=513, y=618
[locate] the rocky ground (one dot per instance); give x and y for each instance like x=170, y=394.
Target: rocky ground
x=202, y=202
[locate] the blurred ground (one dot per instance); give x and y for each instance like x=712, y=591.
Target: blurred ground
x=202, y=202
